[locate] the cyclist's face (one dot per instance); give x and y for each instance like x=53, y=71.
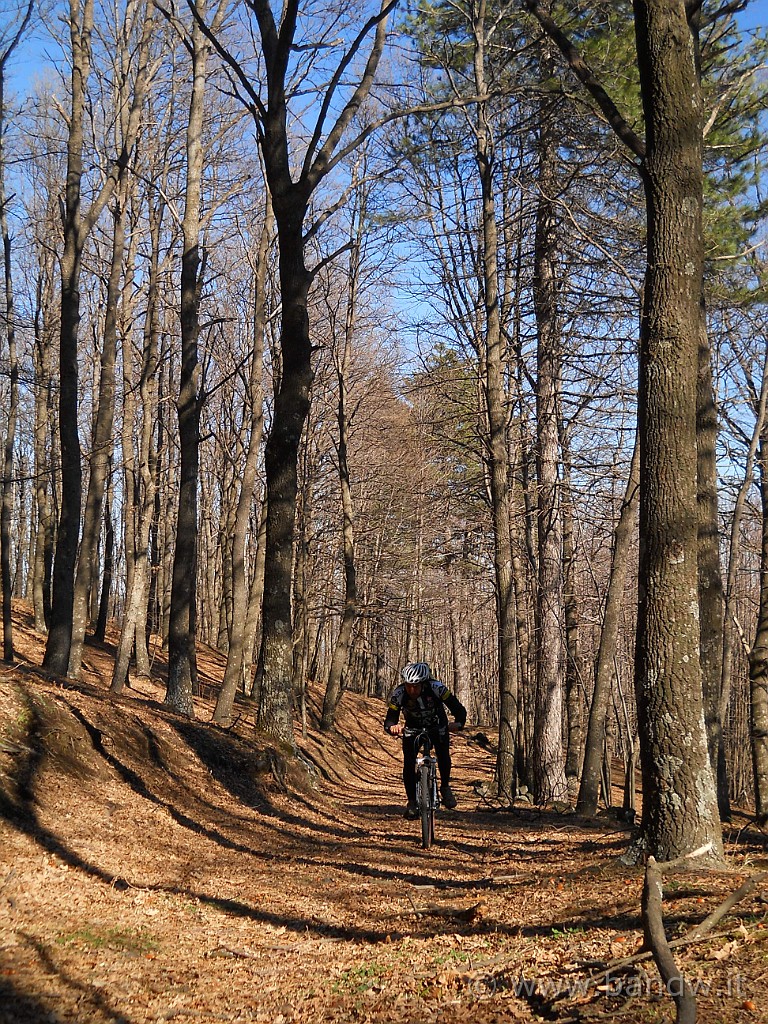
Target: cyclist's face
x=413, y=689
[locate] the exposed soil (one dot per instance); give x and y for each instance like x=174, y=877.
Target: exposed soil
x=153, y=868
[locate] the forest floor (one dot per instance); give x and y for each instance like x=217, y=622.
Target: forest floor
x=154, y=869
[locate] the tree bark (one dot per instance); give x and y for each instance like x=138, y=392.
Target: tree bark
x=56, y=657
x=333, y=689
x=574, y=674
x=549, y=782
x=181, y=635
x=589, y=789
x=492, y=353
x=711, y=598
x=44, y=415
x=677, y=774
x=679, y=799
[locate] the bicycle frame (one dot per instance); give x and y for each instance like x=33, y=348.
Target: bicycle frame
x=427, y=796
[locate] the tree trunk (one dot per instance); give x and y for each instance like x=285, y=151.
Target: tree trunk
x=758, y=661
x=56, y=657
x=492, y=356
x=711, y=601
x=549, y=781
x=589, y=790
x=574, y=675
x=679, y=798
x=757, y=664
x=142, y=474
x=101, y=453
x=181, y=636
x=109, y=561
x=13, y=38
x=6, y=501
x=275, y=714
x=77, y=227
x=44, y=532
x=237, y=636
x=255, y=600
x=340, y=658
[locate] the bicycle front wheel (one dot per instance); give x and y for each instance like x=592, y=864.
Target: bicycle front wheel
x=426, y=807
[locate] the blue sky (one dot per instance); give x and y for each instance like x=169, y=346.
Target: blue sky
x=755, y=16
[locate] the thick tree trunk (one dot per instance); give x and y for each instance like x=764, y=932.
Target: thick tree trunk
x=679, y=799
x=181, y=634
x=290, y=201
x=589, y=790
x=56, y=657
x=275, y=714
x=549, y=782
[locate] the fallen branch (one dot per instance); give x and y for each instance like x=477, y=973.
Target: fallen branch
x=675, y=983
x=725, y=907
x=454, y=913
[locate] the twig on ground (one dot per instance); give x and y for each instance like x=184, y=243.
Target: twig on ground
x=725, y=907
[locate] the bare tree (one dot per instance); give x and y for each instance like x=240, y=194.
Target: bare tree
x=238, y=633
x=290, y=199
x=182, y=663
x=11, y=37
x=78, y=224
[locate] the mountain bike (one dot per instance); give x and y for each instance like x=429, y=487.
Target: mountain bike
x=427, y=797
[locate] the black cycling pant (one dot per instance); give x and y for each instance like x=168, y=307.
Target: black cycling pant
x=441, y=742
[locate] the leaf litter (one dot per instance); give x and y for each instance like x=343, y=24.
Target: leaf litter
x=154, y=869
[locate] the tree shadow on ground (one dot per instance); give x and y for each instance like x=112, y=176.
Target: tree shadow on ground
x=18, y=1007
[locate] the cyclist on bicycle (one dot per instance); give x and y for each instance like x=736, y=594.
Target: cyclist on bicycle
x=423, y=701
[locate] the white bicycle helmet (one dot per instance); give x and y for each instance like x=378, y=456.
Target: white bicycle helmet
x=416, y=672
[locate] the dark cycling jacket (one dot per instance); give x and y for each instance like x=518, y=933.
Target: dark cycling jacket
x=427, y=711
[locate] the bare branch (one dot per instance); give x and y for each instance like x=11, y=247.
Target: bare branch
x=588, y=79
x=379, y=22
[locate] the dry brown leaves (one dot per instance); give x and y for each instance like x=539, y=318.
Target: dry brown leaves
x=153, y=869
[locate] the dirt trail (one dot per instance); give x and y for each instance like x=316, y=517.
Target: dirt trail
x=153, y=868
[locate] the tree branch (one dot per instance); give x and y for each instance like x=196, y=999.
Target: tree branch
x=379, y=22
x=587, y=77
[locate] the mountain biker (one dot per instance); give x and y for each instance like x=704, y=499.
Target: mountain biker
x=423, y=701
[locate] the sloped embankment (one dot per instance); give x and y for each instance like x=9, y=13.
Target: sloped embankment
x=153, y=868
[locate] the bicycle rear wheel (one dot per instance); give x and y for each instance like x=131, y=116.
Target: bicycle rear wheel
x=426, y=808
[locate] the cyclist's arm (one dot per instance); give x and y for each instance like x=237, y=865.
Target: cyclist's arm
x=392, y=718
x=457, y=709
